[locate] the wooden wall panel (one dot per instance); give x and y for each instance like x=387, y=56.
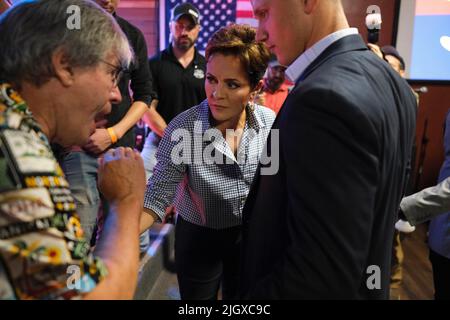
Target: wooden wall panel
x=144, y=15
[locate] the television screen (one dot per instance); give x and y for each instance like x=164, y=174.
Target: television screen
x=423, y=39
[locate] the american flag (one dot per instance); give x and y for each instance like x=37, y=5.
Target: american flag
x=214, y=14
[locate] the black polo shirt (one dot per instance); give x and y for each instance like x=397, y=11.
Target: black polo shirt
x=177, y=88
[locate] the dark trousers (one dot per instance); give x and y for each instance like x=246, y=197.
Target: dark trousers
x=441, y=276
x=206, y=258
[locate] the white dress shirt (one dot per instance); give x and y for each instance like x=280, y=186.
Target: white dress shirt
x=295, y=70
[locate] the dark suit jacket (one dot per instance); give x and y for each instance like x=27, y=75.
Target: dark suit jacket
x=313, y=230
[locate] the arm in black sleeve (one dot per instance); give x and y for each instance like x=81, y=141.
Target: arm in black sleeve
x=141, y=77
x=154, y=70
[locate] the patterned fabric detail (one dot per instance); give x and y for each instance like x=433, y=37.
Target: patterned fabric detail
x=43, y=254
x=207, y=193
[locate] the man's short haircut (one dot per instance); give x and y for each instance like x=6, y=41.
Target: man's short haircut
x=32, y=31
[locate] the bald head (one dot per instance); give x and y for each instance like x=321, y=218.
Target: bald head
x=290, y=27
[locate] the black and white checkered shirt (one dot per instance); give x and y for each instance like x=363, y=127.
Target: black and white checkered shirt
x=198, y=173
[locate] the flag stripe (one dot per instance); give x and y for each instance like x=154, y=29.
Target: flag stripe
x=244, y=14
x=244, y=5
x=249, y=21
x=214, y=15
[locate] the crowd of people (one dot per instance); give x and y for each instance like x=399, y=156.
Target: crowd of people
x=284, y=173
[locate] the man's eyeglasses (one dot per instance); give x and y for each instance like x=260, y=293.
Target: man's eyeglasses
x=118, y=72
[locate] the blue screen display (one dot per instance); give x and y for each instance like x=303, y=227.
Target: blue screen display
x=430, y=58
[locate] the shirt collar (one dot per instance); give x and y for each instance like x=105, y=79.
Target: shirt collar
x=295, y=70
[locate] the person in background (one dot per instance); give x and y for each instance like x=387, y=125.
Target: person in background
x=275, y=87
x=179, y=78
x=51, y=90
x=432, y=203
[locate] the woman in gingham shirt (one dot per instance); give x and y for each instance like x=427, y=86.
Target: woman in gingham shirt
x=206, y=172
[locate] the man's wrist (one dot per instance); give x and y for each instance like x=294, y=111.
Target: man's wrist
x=112, y=135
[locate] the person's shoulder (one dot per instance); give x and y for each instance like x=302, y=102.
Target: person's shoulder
x=132, y=32
x=125, y=24
x=345, y=75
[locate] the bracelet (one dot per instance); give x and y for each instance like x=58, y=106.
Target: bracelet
x=112, y=134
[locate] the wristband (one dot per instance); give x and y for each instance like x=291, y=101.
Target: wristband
x=112, y=134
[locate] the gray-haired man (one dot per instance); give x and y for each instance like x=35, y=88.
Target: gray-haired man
x=65, y=78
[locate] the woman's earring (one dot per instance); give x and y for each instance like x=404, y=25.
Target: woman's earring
x=251, y=105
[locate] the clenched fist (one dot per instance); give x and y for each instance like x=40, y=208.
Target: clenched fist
x=121, y=175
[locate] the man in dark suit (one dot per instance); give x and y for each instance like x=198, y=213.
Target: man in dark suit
x=321, y=227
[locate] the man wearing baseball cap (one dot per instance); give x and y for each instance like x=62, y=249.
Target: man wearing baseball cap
x=275, y=87
x=188, y=10
x=178, y=77
x=393, y=57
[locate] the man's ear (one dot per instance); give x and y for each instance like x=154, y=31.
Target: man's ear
x=172, y=26
x=310, y=5
x=63, y=71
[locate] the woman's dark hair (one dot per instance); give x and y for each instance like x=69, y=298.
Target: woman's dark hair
x=240, y=41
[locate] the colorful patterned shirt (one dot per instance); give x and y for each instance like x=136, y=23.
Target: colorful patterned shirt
x=43, y=254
